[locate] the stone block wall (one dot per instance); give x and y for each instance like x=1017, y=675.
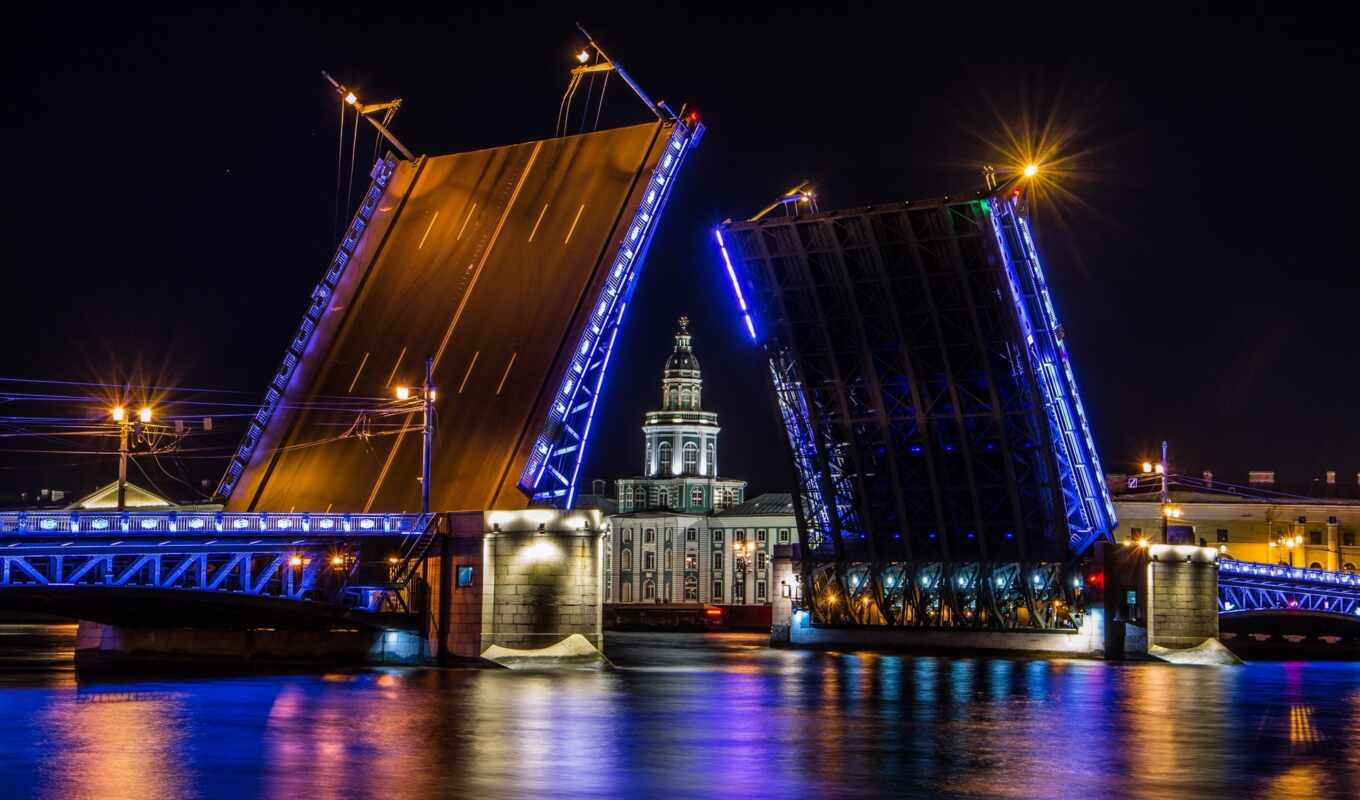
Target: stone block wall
x=543, y=588
x=1182, y=596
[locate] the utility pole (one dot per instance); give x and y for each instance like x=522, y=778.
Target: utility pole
x=1166, y=498
x=428, y=445
x=126, y=427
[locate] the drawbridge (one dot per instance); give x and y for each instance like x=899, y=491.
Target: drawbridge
x=511, y=267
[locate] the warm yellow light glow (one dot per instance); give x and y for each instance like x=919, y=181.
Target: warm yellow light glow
x=337, y=561
x=351, y=99
x=1143, y=543
x=1223, y=548
x=1031, y=170
x=583, y=56
x=1147, y=466
x=144, y=414
x=1272, y=544
x=117, y=413
x=392, y=559
x=432, y=395
x=403, y=393
x=295, y=561
x=1159, y=469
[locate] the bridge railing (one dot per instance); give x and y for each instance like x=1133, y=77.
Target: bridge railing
x=1281, y=572
x=190, y=523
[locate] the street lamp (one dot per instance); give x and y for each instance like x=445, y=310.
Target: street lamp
x=126, y=427
x=426, y=401
x=743, y=552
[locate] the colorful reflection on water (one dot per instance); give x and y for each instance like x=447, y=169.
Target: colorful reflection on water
x=684, y=715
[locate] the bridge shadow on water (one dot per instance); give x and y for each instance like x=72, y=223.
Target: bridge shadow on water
x=702, y=715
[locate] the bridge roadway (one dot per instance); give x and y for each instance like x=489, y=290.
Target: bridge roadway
x=482, y=260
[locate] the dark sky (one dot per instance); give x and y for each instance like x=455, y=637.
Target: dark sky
x=171, y=191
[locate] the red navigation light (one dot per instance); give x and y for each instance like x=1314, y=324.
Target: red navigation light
x=694, y=116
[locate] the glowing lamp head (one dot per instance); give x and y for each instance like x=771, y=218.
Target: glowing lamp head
x=1147, y=466
x=403, y=393
x=1031, y=170
x=118, y=413
x=351, y=99
x=583, y=56
x=144, y=414
x=295, y=561
x=337, y=561
x=1159, y=469
x=392, y=559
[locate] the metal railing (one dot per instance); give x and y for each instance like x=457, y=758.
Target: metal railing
x=1281, y=572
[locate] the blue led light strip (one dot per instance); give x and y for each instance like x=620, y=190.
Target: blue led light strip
x=1089, y=510
x=550, y=473
x=736, y=286
x=321, y=299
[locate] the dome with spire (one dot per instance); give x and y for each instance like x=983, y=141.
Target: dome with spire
x=682, y=363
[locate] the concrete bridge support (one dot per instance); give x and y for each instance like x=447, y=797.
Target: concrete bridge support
x=518, y=588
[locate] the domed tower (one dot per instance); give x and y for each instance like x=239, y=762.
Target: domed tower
x=681, y=438
x=680, y=459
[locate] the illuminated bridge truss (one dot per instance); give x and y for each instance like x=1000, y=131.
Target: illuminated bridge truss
x=946, y=469
x=295, y=556
x=1245, y=587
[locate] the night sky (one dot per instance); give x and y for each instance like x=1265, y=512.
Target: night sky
x=171, y=196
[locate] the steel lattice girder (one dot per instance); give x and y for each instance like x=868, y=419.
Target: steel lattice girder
x=268, y=572
x=925, y=390
x=1246, y=587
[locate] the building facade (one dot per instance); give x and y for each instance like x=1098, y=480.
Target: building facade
x=1252, y=522
x=681, y=533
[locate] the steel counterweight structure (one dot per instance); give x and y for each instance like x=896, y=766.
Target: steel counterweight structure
x=512, y=268
x=946, y=470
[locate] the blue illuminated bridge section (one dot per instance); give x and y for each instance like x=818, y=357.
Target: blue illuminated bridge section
x=1246, y=587
x=153, y=523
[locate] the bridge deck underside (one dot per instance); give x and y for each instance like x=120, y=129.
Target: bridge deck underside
x=487, y=261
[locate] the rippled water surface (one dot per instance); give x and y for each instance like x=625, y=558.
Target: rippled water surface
x=684, y=716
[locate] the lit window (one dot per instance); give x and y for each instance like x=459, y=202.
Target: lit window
x=691, y=458
x=691, y=561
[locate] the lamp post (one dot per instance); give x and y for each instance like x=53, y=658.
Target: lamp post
x=1288, y=543
x=426, y=401
x=126, y=428
x=742, y=552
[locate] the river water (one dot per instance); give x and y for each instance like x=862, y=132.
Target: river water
x=683, y=716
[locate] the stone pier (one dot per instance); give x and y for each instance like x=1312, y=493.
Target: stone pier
x=518, y=588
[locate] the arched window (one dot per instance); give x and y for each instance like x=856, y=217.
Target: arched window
x=664, y=458
x=691, y=458
x=684, y=397
x=648, y=465
x=675, y=398
x=1349, y=567
x=1315, y=565
x=648, y=590
x=626, y=561
x=626, y=595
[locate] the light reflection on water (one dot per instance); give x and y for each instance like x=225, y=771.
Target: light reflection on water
x=688, y=716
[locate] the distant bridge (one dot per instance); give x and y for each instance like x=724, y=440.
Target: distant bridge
x=1246, y=587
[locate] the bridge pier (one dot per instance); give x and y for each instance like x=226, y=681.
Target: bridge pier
x=518, y=588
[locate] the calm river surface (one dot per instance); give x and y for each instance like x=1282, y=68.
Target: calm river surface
x=684, y=716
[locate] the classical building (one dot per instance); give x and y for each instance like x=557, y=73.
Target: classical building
x=1308, y=526
x=680, y=456
x=679, y=533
